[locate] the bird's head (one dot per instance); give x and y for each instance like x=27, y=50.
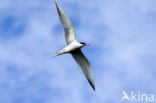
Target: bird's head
x=84, y=44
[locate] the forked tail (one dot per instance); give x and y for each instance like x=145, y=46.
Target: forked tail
x=57, y=54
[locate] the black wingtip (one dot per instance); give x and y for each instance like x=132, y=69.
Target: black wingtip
x=55, y=3
x=92, y=84
x=57, y=7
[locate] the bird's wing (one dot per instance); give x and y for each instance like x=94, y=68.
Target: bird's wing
x=85, y=66
x=67, y=25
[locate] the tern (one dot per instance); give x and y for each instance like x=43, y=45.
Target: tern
x=73, y=46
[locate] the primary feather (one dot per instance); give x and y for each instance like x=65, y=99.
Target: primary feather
x=67, y=25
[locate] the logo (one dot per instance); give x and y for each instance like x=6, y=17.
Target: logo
x=137, y=97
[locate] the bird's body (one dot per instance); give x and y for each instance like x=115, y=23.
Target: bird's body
x=73, y=46
x=70, y=48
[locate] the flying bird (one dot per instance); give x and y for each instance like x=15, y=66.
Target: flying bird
x=73, y=46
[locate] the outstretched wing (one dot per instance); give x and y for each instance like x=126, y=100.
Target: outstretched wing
x=67, y=25
x=85, y=66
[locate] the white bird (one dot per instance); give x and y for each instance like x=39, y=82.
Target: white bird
x=73, y=46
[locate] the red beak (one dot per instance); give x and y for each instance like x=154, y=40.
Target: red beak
x=87, y=45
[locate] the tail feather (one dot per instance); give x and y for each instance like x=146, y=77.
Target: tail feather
x=57, y=54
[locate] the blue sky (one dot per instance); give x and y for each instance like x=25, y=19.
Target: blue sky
x=122, y=50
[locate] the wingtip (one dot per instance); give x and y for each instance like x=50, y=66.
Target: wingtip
x=94, y=89
x=92, y=84
x=58, y=8
x=56, y=3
